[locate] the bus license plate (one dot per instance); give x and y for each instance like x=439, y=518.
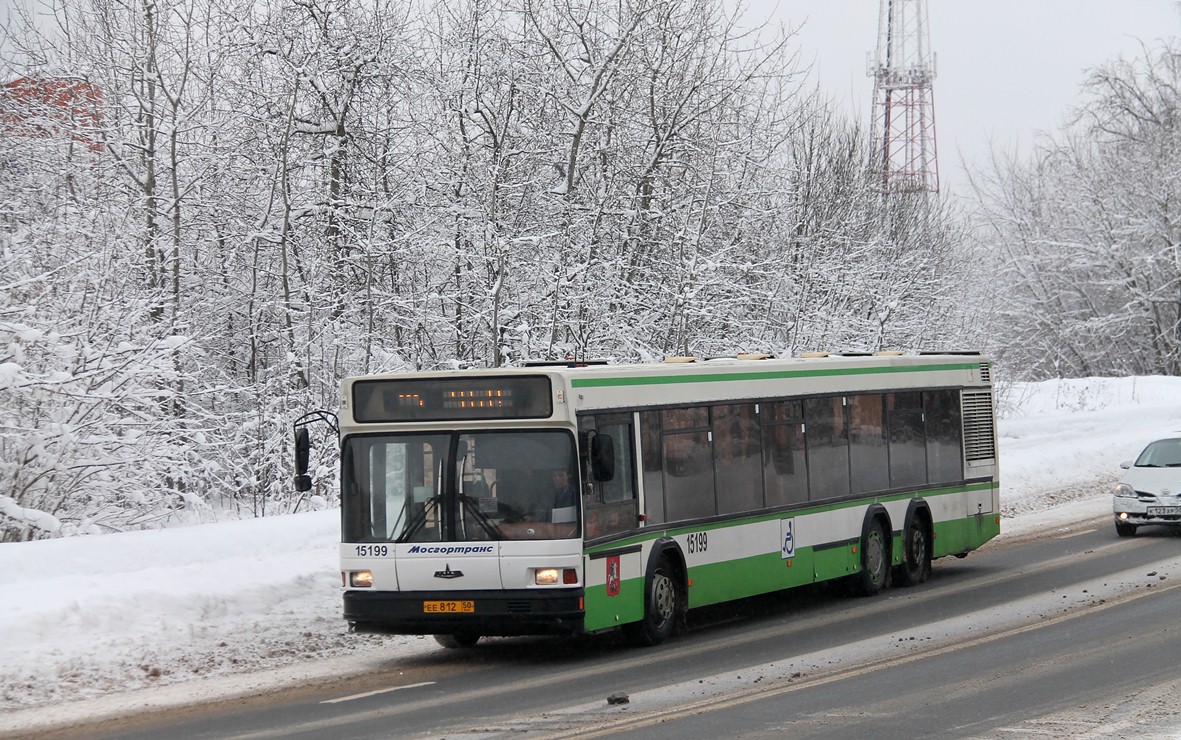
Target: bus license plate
x=449, y=607
x=1164, y=510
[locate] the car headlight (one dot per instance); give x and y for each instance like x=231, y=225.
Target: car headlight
x=1123, y=490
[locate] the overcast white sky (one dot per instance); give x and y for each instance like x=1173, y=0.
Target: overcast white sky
x=1007, y=69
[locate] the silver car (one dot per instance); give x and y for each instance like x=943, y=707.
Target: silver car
x=1150, y=491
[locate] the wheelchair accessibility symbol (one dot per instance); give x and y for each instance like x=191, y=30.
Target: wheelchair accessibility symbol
x=787, y=538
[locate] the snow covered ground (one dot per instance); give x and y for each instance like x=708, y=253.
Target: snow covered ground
x=235, y=607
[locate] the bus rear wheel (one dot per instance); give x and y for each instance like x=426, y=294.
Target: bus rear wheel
x=456, y=642
x=916, y=554
x=662, y=602
x=875, y=559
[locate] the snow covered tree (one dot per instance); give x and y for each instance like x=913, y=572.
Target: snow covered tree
x=1086, y=234
x=273, y=195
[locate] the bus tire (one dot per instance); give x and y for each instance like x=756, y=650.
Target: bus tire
x=916, y=553
x=662, y=600
x=456, y=642
x=875, y=559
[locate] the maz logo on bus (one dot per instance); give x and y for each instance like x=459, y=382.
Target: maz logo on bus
x=698, y=542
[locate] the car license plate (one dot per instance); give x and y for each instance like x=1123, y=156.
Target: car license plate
x=449, y=607
x=1164, y=510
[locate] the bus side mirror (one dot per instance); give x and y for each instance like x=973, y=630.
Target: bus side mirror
x=303, y=446
x=602, y=457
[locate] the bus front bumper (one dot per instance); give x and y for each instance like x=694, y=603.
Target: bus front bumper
x=501, y=613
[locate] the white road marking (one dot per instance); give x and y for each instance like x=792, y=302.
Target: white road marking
x=1068, y=535
x=375, y=693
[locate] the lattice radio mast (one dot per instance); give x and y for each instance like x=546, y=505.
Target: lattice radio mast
x=903, y=146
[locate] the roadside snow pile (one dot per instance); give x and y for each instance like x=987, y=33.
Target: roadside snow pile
x=83, y=616
x=86, y=616
x=1063, y=440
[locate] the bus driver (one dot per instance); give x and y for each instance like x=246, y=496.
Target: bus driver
x=564, y=507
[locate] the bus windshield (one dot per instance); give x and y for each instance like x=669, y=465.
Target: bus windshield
x=460, y=486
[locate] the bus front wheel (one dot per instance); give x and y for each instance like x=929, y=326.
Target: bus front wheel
x=661, y=604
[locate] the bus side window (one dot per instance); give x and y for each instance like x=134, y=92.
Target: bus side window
x=688, y=463
x=785, y=467
x=621, y=487
x=945, y=454
x=652, y=456
x=907, y=439
x=738, y=469
x=827, y=447
x=610, y=505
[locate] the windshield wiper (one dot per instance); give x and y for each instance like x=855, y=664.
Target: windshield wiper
x=418, y=521
x=473, y=507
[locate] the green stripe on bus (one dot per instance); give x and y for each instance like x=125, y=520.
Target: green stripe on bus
x=714, y=583
x=762, y=375
x=743, y=577
x=656, y=531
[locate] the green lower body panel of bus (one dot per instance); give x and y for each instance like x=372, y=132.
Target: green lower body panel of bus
x=519, y=612
x=964, y=535
x=743, y=577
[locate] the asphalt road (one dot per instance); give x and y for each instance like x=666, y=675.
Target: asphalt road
x=1066, y=635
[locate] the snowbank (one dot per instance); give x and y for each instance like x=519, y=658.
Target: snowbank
x=1064, y=439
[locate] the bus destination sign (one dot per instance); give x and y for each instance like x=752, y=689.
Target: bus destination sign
x=447, y=399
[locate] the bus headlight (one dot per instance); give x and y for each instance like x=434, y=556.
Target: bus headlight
x=554, y=576
x=361, y=579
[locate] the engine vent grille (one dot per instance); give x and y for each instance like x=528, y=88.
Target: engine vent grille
x=985, y=372
x=979, y=440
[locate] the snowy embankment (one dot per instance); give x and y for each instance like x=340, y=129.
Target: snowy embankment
x=1061, y=442
x=256, y=603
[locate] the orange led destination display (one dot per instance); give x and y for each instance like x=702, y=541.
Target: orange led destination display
x=445, y=399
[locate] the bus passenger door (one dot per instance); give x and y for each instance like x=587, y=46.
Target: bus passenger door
x=609, y=506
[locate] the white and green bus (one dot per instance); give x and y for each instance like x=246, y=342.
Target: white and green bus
x=585, y=497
